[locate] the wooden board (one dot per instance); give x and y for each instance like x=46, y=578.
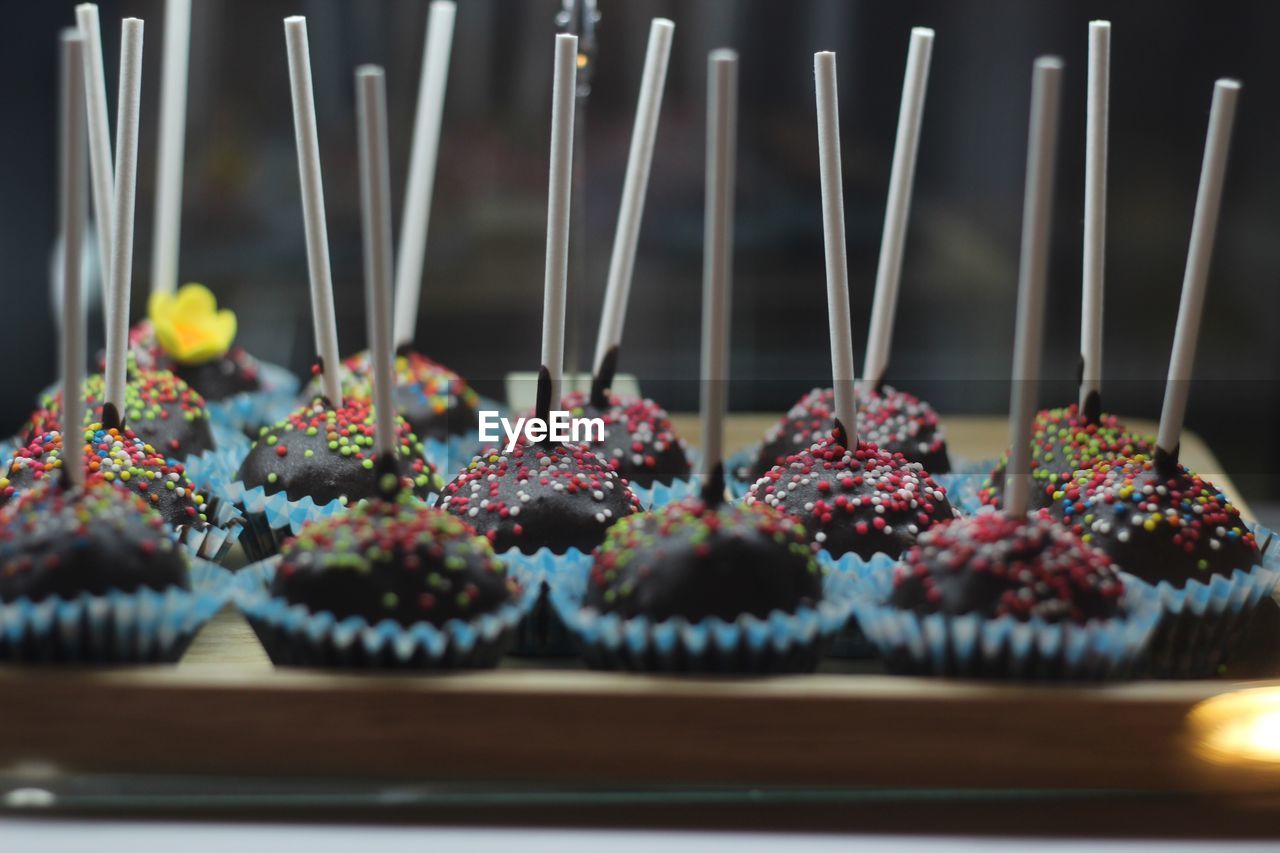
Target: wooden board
x=225, y=710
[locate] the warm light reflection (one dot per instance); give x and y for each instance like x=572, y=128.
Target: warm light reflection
x=1238, y=727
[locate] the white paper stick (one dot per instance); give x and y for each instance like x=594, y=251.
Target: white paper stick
x=95, y=87
x=72, y=195
x=1033, y=269
x=717, y=251
x=622, y=262
x=167, y=227
x=1196, y=278
x=842, y=370
x=375, y=197
x=559, y=192
x=313, y=217
x=1095, y=208
x=893, y=239
x=422, y=167
x=124, y=195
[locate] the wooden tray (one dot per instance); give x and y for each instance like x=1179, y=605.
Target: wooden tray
x=224, y=710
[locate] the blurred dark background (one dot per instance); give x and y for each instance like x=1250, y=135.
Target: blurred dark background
x=481, y=305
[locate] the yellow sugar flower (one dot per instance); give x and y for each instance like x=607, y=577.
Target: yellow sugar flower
x=188, y=325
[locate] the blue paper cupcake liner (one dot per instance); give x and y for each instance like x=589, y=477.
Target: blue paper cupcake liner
x=973, y=646
x=267, y=520
x=778, y=643
x=295, y=636
x=247, y=411
x=963, y=483
x=541, y=633
x=852, y=643
x=1202, y=623
x=145, y=626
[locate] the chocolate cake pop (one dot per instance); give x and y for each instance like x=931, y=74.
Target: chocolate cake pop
x=893, y=420
x=1155, y=518
x=695, y=560
x=328, y=454
x=639, y=442
x=995, y=566
x=1063, y=442
x=1159, y=523
x=60, y=542
x=119, y=457
x=543, y=495
x=850, y=495
x=435, y=401
x=392, y=560
x=160, y=409
x=862, y=500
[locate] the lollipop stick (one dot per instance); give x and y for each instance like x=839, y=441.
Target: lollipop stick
x=304, y=126
x=422, y=168
x=95, y=83
x=894, y=238
x=1095, y=218
x=824, y=71
x=561, y=180
x=717, y=262
x=375, y=198
x=71, y=173
x=122, y=219
x=645, y=130
x=1196, y=279
x=173, y=129
x=1033, y=267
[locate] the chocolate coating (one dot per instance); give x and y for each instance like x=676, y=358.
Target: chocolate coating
x=866, y=500
x=996, y=566
x=893, y=420
x=68, y=543
x=1065, y=441
x=541, y=496
x=159, y=408
x=236, y=372
x=639, y=442
x=694, y=561
x=118, y=457
x=1161, y=525
x=391, y=560
x=327, y=454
